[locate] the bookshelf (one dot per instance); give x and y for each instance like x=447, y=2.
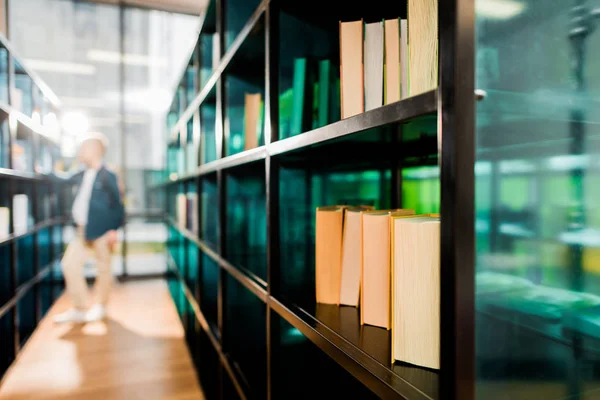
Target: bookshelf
x=32, y=205
x=244, y=282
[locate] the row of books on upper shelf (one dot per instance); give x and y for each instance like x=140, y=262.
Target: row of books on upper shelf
x=387, y=262
x=22, y=219
x=385, y=61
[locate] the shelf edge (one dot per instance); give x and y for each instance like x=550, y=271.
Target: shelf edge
x=354, y=360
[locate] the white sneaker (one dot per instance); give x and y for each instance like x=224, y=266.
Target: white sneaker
x=96, y=313
x=73, y=315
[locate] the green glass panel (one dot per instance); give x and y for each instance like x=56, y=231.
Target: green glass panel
x=299, y=360
x=209, y=289
x=537, y=219
x=237, y=14
x=209, y=210
x=246, y=335
x=208, y=115
x=236, y=89
x=247, y=222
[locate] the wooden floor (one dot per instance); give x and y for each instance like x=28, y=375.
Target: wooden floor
x=139, y=352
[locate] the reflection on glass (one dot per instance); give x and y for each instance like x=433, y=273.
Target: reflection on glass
x=246, y=313
x=208, y=124
x=3, y=75
x=247, y=221
x=237, y=14
x=22, y=94
x=537, y=219
x=241, y=94
x=309, y=76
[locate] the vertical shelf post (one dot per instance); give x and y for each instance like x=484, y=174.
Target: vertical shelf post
x=456, y=126
x=272, y=186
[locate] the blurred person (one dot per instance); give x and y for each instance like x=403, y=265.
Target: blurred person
x=97, y=212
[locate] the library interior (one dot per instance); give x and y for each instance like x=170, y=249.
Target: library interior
x=213, y=199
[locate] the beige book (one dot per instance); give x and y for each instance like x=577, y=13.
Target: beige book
x=20, y=213
x=375, y=268
x=328, y=253
x=392, y=61
x=373, y=65
x=181, y=209
x=351, y=256
x=416, y=290
x=423, y=45
x=404, y=87
x=351, y=68
x=4, y=222
x=251, y=117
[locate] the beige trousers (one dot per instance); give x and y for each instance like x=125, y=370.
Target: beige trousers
x=73, y=262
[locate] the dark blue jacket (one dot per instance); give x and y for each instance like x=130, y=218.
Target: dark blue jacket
x=106, y=211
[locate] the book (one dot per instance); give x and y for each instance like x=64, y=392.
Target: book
x=404, y=72
x=416, y=290
x=351, y=68
x=192, y=212
x=423, y=45
x=20, y=214
x=351, y=256
x=252, y=108
x=328, y=253
x=392, y=60
x=373, y=65
x=181, y=209
x=4, y=222
x=375, y=301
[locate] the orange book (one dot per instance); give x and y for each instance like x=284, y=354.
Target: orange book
x=375, y=299
x=328, y=253
x=251, y=118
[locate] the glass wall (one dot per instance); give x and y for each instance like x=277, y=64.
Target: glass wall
x=121, y=84
x=537, y=214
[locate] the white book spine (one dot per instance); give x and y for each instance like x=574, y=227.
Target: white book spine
x=404, y=58
x=20, y=213
x=373, y=56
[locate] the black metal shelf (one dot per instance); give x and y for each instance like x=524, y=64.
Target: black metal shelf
x=35, y=229
x=224, y=358
x=6, y=173
x=223, y=64
x=46, y=91
x=401, y=111
x=363, y=350
x=23, y=289
x=246, y=278
x=352, y=355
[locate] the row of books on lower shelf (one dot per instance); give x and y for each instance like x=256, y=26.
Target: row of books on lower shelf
x=547, y=309
x=387, y=262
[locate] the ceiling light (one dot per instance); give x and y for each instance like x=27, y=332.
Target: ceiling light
x=499, y=9
x=114, y=57
x=75, y=123
x=61, y=67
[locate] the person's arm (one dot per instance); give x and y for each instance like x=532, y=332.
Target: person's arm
x=65, y=177
x=115, y=193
